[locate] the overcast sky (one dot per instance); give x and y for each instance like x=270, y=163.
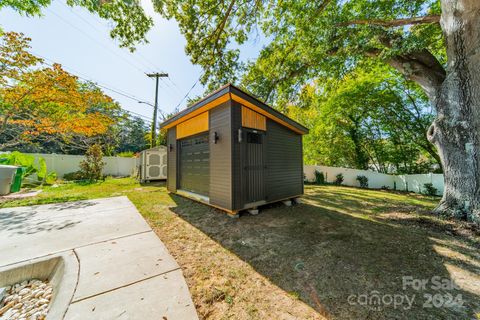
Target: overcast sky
x=80, y=42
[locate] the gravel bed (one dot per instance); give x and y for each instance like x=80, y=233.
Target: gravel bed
x=26, y=300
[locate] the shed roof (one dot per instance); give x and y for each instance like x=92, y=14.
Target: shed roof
x=226, y=93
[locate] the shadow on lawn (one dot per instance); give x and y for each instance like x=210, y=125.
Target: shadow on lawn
x=332, y=259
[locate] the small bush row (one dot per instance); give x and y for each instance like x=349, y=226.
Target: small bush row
x=428, y=188
x=339, y=178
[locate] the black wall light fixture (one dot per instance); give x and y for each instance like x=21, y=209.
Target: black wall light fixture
x=215, y=137
x=170, y=146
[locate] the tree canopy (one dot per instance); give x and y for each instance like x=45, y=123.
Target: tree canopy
x=306, y=39
x=370, y=119
x=130, y=23
x=47, y=108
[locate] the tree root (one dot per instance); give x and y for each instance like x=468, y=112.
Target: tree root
x=450, y=210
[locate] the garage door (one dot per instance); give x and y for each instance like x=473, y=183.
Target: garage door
x=195, y=164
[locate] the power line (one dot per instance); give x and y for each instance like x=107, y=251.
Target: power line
x=113, y=90
x=80, y=17
x=85, y=78
x=140, y=55
x=188, y=92
x=148, y=60
x=99, y=31
x=138, y=115
x=177, y=88
x=95, y=40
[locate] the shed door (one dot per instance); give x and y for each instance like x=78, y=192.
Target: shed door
x=156, y=165
x=194, y=162
x=253, y=166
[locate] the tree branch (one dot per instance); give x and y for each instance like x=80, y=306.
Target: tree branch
x=322, y=6
x=420, y=66
x=215, y=33
x=221, y=26
x=393, y=23
x=423, y=68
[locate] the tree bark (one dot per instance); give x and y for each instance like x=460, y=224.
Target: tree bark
x=394, y=23
x=455, y=95
x=361, y=159
x=456, y=130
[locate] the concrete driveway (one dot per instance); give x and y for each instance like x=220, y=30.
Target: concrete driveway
x=124, y=270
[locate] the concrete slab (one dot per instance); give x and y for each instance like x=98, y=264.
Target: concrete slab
x=138, y=257
x=65, y=209
x=30, y=232
x=161, y=297
x=123, y=272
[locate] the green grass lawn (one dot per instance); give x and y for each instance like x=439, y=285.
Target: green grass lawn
x=306, y=261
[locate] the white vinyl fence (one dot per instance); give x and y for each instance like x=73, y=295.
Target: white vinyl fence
x=66, y=163
x=410, y=182
x=122, y=167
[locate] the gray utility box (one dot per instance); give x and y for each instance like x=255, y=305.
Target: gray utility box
x=7, y=173
x=153, y=164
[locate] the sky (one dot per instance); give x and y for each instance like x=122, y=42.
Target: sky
x=80, y=41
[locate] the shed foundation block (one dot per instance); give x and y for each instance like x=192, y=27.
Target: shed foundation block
x=297, y=200
x=287, y=203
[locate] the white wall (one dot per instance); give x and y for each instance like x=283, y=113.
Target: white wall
x=376, y=180
x=66, y=163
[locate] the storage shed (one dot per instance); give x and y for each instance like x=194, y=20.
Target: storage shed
x=234, y=152
x=153, y=164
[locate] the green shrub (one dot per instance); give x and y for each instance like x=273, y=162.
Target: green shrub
x=73, y=176
x=305, y=180
x=92, y=167
x=429, y=189
x=339, y=179
x=363, y=181
x=126, y=154
x=319, y=177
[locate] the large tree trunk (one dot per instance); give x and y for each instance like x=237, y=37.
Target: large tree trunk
x=456, y=130
x=455, y=94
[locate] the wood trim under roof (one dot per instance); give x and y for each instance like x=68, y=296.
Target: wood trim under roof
x=252, y=119
x=193, y=126
x=172, y=122
x=230, y=92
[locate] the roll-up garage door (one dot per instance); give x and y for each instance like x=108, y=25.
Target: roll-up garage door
x=195, y=164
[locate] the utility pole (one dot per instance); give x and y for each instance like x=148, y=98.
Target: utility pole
x=155, y=108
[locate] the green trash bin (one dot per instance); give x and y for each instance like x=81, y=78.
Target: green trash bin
x=17, y=180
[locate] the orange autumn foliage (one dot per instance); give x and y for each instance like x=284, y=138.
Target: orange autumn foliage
x=48, y=101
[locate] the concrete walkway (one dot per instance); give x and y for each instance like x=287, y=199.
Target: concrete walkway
x=124, y=270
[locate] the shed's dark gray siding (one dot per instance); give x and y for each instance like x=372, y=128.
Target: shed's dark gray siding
x=237, y=194
x=284, y=162
x=221, y=156
x=282, y=150
x=284, y=173
x=172, y=160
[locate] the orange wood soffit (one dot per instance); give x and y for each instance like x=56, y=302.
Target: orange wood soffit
x=208, y=106
x=224, y=98
x=252, y=119
x=265, y=113
x=193, y=126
